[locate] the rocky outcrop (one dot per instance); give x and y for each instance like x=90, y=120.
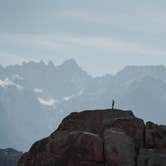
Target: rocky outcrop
x=152, y=157
x=100, y=138
x=155, y=136
x=9, y=157
x=119, y=148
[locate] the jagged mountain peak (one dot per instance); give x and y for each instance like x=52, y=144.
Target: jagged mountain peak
x=70, y=63
x=131, y=73
x=146, y=68
x=34, y=63
x=51, y=64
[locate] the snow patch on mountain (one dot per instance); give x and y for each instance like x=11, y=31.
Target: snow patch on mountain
x=47, y=102
x=68, y=98
x=37, y=90
x=7, y=82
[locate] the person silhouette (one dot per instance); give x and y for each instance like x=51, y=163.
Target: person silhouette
x=113, y=104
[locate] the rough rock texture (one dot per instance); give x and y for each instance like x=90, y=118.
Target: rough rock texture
x=152, y=157
x=155, y=136
x=100, y=138
x=9, y=157
x=119, y=148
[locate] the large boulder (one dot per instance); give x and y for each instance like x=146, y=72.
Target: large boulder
x=100, y=138
x=93, y=121
x=66, y=149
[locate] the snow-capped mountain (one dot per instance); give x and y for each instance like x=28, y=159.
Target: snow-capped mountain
x=23, y=115
x=35, y=97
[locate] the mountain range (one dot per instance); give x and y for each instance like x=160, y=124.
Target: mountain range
x=9, y=157
x=35, y=97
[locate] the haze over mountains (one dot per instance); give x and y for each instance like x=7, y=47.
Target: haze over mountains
x=35, y=97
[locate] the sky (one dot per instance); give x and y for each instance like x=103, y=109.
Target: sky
x=102, y=36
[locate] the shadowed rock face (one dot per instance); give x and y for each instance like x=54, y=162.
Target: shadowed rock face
x=155, y=136
x=100, y=138
x=152, y=157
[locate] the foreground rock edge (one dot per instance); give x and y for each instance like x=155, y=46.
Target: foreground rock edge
x=98, y=138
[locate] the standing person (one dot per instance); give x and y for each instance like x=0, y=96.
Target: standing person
x=113, y=104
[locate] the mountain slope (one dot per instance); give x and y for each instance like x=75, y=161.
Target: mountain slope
x=9, y=157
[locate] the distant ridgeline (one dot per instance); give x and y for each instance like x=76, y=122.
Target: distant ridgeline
x=9, y=157
x=100, y=138
x=35, y=97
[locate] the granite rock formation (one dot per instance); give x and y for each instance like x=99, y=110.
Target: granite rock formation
x=100, y=138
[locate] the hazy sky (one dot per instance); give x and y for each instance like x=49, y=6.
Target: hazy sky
x=102, y=35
